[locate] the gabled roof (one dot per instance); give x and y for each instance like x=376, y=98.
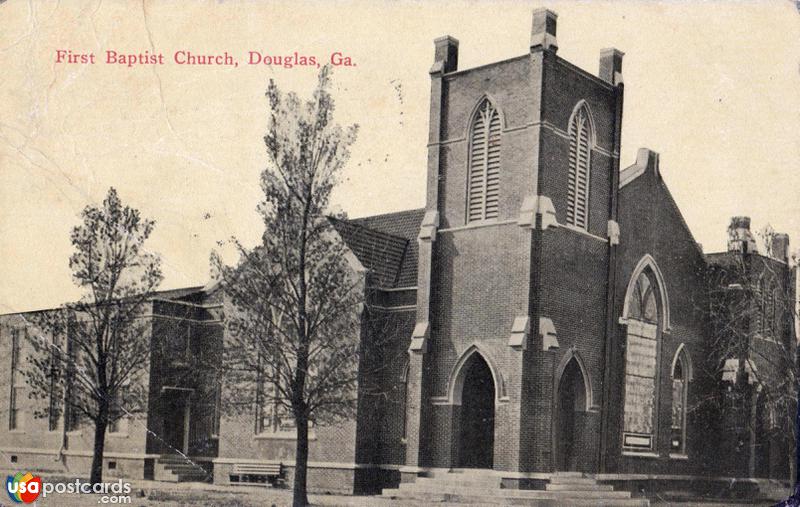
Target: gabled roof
x=648, y=160
x=386, y=245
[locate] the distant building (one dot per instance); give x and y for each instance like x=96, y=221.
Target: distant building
x=550, y=312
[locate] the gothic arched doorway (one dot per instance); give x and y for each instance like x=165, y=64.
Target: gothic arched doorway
x=571, y=403
x=476, y=442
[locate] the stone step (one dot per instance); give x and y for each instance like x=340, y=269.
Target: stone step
x=553, y=499
x=456, y=480
x=176, y=463
x=192, y=478
x=463, y=472
x=572, y=480
x=171, y=457
x=508, y=493
x=181, y=464
x=568, y=474
x=186, y=470
x=579, y=487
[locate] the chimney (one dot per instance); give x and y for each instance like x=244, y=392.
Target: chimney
x=543, y=30
x=780, y=247
x=446, y=56
x=740, y=239
x=611, y=65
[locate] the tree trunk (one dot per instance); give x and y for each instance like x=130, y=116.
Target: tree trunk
x=99, y=445
x=301, y=464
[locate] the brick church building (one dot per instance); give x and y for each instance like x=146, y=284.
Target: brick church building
x=549, y=311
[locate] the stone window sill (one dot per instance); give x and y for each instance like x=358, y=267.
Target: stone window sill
x=673, y=455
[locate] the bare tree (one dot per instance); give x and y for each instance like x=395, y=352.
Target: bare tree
x=753, y=348
x=294, y=331
x=90, y=356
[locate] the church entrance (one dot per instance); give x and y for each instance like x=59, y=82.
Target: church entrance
x=476, y=445
x=176, y=410
x=571, y=403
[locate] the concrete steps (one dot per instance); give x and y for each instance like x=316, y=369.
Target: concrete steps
x=516, y=493
x=553, y=500
x=170, y=468
x=483, y=487
x=579, y=487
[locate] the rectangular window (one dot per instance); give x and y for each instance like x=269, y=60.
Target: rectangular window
x=72, y=415
x=640, y=386
x=217, y=412
x=771, y=314
x=14, y=416
x=263, y=423
x=74, y=419
x=676, y=438
x=761, y=310
x=271, y=415
x=54, y=408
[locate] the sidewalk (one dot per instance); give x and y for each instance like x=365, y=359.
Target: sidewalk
x=156, y=493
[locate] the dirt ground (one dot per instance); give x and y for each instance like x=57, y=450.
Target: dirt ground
x=150, y=493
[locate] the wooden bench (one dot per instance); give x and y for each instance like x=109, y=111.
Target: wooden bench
x=264, y=472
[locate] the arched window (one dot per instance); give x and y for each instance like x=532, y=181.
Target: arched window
x=681, y=375
x=484, y=164
x=643, y=317
x=642, y=302
x=580, y=146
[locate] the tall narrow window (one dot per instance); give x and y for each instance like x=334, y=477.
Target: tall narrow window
x=759, y=308
x=405, y=401
x=265, y=401
x=680, y=395
x=272, y=416
x=769, y=312
x=484, y=164
x=54, y=407
x=641, y=355
x=215, y=424
x=580, y=139
x=14, y=418
x=73, y=418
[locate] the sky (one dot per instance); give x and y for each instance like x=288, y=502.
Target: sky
x=711, y=86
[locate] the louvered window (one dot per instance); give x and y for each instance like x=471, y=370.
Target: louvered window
x=580, y=135
x=484, y=164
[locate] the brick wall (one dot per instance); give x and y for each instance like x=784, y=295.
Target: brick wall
x=651, y=224
x=34, y=446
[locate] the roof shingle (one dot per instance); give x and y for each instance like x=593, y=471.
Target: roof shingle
x=386, y=245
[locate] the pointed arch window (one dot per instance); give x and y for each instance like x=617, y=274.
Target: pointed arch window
x=643, y=320
x=642, y=303
x=580, y=146
x=681, y=375
x=483, y=190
